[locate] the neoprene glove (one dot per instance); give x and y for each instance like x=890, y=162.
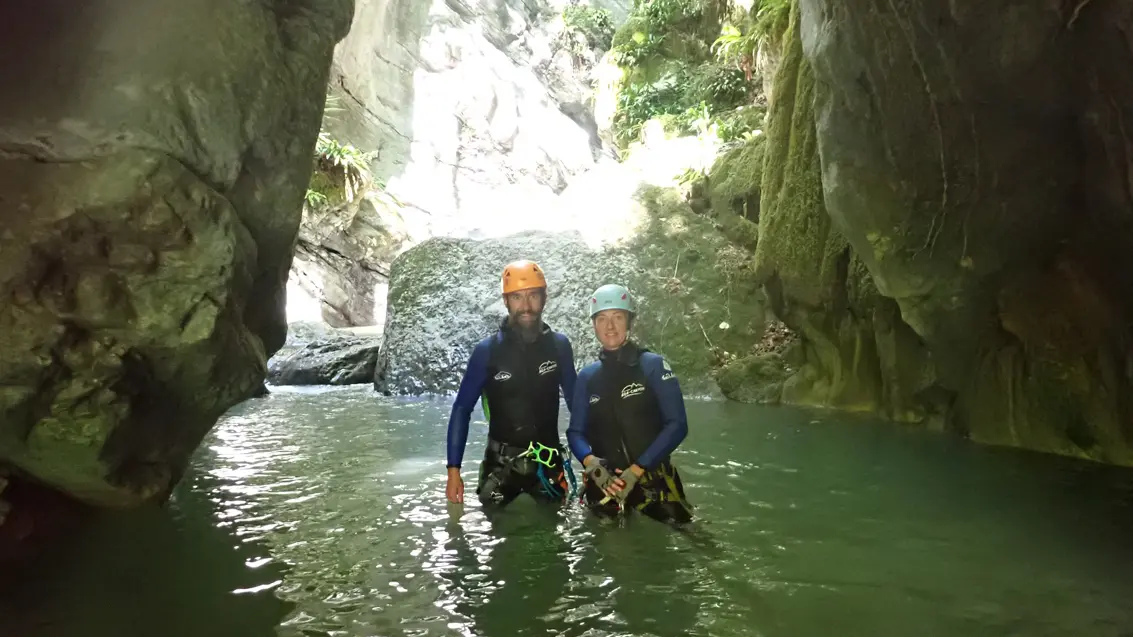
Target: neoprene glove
x=630, y=478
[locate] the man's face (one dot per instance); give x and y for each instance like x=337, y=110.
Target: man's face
x=525, y=307
x=611, y=328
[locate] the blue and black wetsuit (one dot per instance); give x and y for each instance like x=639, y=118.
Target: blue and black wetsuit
x=628, y=409
x=518, y=383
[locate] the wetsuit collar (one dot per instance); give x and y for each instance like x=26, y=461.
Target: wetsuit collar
x=628, y=354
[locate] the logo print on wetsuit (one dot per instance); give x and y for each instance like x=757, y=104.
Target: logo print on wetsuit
x=546, y=367
x=502, y=376
x=593, y=399
x=632, y=389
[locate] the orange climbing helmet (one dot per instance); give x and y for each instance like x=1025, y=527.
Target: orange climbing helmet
x=523, y=275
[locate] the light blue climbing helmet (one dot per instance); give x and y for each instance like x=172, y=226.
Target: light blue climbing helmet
x=610, y=297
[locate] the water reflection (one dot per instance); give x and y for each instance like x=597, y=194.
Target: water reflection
x=171, y=572
x=323, y=513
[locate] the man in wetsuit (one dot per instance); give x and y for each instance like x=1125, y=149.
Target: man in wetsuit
x=517, y=373
x=627, y=417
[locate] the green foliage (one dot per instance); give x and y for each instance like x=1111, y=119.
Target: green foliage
x=668, y=13
x=771, y=19
x=767, y=22
x=739, y=124
x=671, y=74
x=637, y=48
x=587, y=27
x=734, y=45
x=639, y=103
x=341, y=171
x=723, y=87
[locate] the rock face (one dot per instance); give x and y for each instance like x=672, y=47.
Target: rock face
x=959, y=252
x=151, y=203
x=343, y=256
x=479, y=118
x=694, y=302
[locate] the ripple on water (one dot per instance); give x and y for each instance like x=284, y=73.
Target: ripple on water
x=806, y=528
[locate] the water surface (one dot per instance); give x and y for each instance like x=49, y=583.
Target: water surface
x=321, y=512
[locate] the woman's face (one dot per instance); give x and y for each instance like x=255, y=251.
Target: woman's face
x=611, y=328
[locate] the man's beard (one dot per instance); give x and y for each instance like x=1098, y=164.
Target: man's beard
x=528, y=332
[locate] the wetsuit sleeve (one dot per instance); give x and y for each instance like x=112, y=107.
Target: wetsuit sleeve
x=475, y=375
x=665, y=386
x=567, y=375
x=576, y=431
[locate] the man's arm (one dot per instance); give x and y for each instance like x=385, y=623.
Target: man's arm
x=567, y=375
x=576, y=431
x=475, y=375
x=661, y=379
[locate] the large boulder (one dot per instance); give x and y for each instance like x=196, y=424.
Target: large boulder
x=947, y=228
x=151, y=205
x=339, y=360
x=696, y=303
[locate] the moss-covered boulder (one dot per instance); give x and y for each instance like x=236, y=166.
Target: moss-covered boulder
x=757, y=378
x=734, y=183
x=697, y=303
x=151, y=203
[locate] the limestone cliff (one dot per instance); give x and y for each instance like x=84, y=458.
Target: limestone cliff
x=475, y=111
x=945, y=217
x=154, y=161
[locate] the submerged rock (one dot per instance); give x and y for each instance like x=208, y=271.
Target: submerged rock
x=151, y=205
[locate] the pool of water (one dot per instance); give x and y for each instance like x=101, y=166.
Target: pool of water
x=319, y=512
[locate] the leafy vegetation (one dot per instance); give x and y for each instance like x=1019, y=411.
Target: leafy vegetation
x=586, y=28
x=691, y=65
x=341, y=171
x=763, y=25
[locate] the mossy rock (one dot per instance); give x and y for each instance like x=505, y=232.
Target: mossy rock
x=734, y=181
x=799, y=245
x=743, y=232
x=754, y=379
x=701, y=297
x=635, y=28
x=686, y=47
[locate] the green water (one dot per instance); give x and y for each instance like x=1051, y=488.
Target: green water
x=322, y=512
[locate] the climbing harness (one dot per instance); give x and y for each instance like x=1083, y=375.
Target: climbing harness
x=544, y=459
x=653, y=492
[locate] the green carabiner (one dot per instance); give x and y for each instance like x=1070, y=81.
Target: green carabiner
x=537, y=452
